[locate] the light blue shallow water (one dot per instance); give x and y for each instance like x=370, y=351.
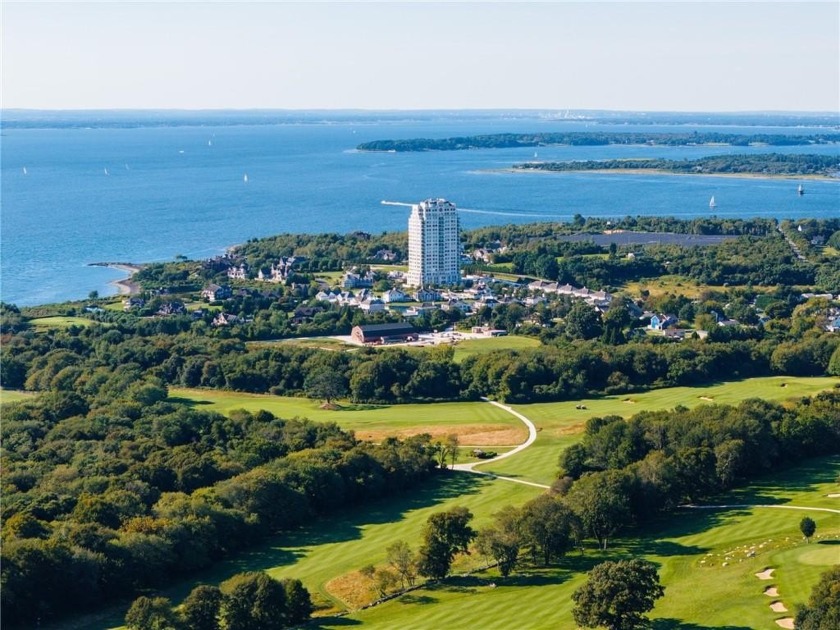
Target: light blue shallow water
x=151, y=193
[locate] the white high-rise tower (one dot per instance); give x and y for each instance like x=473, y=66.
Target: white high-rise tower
x=434, y=247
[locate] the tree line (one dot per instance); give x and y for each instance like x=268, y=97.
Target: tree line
x=764, y=164
x=583, y=138
x=114, y=489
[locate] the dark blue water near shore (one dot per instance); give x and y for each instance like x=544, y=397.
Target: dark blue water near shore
x=73, y=196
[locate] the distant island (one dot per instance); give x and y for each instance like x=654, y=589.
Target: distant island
x=600, y=138
x=771, y=164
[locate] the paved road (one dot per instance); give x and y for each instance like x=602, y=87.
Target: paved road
x=532, y=436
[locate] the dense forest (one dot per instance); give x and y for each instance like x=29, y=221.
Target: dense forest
x=601, y=138
x=764, y=164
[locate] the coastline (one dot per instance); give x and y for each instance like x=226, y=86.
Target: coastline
x=125, y=286
x=653, y=171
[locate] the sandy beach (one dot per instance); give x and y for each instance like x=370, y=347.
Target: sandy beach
x=125, y=286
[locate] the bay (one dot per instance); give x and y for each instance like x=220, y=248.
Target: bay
x=76, y=195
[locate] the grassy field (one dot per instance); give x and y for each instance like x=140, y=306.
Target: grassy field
x=45, y=323
x=690, y=549
x=476, y=423
x=560, y=424
x=13, y=395
x=470, y=347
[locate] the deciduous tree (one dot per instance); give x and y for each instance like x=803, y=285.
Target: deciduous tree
x=617, y=594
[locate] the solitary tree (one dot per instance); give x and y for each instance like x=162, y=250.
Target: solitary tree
x=617, y=594
x=807, y=526
x=326, y=385
x=445, y=534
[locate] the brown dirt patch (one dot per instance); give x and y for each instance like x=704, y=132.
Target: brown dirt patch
x=352, y=588
x=468, y=434
x=569, y=429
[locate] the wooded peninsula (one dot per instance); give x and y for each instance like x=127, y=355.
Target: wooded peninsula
x=764, y=164
x=583, y=138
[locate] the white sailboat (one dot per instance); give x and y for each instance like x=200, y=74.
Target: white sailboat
x=245, y=178
x=25, y=172
x=712, y=203
x=800, y=190
x=106, y=172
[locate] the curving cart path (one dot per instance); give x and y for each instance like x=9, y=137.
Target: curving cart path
x=532, y=436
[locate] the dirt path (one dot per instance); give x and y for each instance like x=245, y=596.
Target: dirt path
x=532, y=436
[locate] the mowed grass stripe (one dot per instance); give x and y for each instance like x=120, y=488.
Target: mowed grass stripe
x=699, y=591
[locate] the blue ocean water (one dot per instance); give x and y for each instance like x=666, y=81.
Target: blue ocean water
x=76, y=195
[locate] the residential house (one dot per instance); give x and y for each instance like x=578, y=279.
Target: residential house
x=661, y=322
x=238, y=272
x=426, y=295
x=394, y=295
x=214, y=292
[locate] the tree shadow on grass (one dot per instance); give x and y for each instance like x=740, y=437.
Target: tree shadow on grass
x=331, y=621
x=805, y=476
x=410, y=598
x=677, y=624
x=189, y=402
x=667, y=548
x=346, y=524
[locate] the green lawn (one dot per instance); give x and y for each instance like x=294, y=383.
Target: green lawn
x=59, y=321
x=561, y=424
x=477, y=423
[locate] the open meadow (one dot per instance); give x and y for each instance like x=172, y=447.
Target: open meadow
x=476, y=423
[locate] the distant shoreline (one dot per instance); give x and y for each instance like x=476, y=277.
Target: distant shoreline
x=125, y=286
x=653, y=171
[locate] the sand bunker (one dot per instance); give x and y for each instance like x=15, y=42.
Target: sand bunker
x=778, y=607
x=771, y=591
x=834, y=496
x=767, y=574
x=706, y=398
x=786, y=622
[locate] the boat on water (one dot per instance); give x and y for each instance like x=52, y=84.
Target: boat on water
x=25, y=172
x=245, y=178
x=712, y=203
x=106, y=172
x=800, y=190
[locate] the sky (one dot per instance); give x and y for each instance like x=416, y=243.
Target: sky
x=644, y=56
